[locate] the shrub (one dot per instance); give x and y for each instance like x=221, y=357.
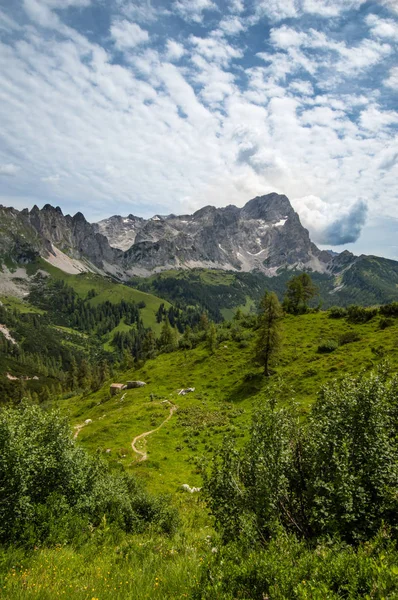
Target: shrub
x=328, y=346
x=359, y=314
x=385, y=322
x=337, y=312
x=349, y=337
x=50, y=488
x=336, y=475
x=389, y=310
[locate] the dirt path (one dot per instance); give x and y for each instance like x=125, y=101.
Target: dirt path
x=78, y=429
x=143, y=455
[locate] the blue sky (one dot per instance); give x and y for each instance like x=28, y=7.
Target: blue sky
x=154, y=106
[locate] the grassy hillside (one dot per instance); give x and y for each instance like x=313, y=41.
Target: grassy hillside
x=105, y=564
x=107, y=289
x=227, y=390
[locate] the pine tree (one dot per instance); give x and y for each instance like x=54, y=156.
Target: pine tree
x=72, y=379
x=211, y=338
x=104, y=371
x=166, y=339
x=84, y=375
x=299, y=290
x=204, y=322
x=269, y=335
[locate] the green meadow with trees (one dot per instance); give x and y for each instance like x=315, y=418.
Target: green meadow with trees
x=259, y=460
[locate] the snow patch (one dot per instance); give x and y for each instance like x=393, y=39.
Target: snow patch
x=257, y=253
x=280, y=223
x=155, y=218
x=221, y=248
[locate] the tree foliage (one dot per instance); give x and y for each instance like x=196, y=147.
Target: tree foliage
x=299, y=291
x=50, y=488
x=334, y=475
x=268, y=341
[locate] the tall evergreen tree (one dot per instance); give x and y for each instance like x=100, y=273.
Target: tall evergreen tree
x=211, y=338
x=166, y=340
x=299, y=291
x=269, y=334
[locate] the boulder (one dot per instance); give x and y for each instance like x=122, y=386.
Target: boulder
x=135, y=384
x=186, y=391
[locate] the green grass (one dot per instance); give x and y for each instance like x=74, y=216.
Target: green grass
x=21, y=305
x=109, y=290
x=227, y=388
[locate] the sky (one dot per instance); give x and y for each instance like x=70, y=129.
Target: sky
x=156, y=107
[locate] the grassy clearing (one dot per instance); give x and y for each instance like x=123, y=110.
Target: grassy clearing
x=21, y=305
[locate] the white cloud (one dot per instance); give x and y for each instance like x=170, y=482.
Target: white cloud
x=42, y=11
x=391, y=4
x=141, y=11
x=382, y=28
x=174, y=50
x=215, y=49
x=236, y=6
x=375, y=120
x=330, y=8
x=392, y=80
x=192, y=10
x=302, y=87
x=231, y=25
x=128, y=35
x=276, y=10
x=9, y=169
x=149, y=135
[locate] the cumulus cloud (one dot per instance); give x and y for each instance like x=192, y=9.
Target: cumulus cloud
x=174, y=50
x=9, y=169
x=332, y=225
x=392, y=79
x=193, y=10
x=347, y=228
x=382, y=28
x=127, y=35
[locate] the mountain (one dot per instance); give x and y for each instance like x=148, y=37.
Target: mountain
x=265, y=235
x=261, y=244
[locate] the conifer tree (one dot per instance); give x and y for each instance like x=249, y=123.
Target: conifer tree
x=269, y=335
x=211, y=338
x=84, y=375
x=166, y=340
x=72, y=379
x=299, y=290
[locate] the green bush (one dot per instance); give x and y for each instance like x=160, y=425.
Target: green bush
x=359, y=314
x=328, y=346
x=289, y=569
x=385, y=322
x=336, y=475
x=50, y=489
x=349, y=337
x=389, y=310
x=337, y=312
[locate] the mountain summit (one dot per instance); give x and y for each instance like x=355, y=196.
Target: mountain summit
x=264, y=235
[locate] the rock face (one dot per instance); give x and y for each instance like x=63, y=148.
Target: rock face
x=264, y=235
